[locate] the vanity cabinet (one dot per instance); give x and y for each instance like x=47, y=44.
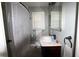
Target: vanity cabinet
x=51, y=51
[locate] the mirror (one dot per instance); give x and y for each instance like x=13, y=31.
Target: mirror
x=55, y=16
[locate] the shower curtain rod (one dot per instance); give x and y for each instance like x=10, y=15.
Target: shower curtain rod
x=24, y=6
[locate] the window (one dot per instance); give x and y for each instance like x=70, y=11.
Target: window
x=38, y=20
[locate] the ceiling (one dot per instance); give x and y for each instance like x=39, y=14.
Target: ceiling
x=39, y=4
x=34, y=4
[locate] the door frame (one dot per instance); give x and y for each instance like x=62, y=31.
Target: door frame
x=8, y=29
x=75, y=35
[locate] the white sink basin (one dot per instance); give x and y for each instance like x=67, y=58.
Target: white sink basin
x=47, y=41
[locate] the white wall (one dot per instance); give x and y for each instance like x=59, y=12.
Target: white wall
x=68, y=26
x=21, y=27
x=3, y=47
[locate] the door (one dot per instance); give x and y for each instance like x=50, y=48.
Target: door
x=68, y=18
x=6, y=9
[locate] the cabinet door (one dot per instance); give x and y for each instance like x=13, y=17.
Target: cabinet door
x=51, y=51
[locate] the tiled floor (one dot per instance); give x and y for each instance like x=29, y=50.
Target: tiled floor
x=30, y=51
x=34, y=52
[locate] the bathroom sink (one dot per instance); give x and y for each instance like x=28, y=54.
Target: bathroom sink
x=47, y=41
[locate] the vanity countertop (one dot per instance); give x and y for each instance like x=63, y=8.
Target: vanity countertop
x=47, y=41
x=50, y=44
